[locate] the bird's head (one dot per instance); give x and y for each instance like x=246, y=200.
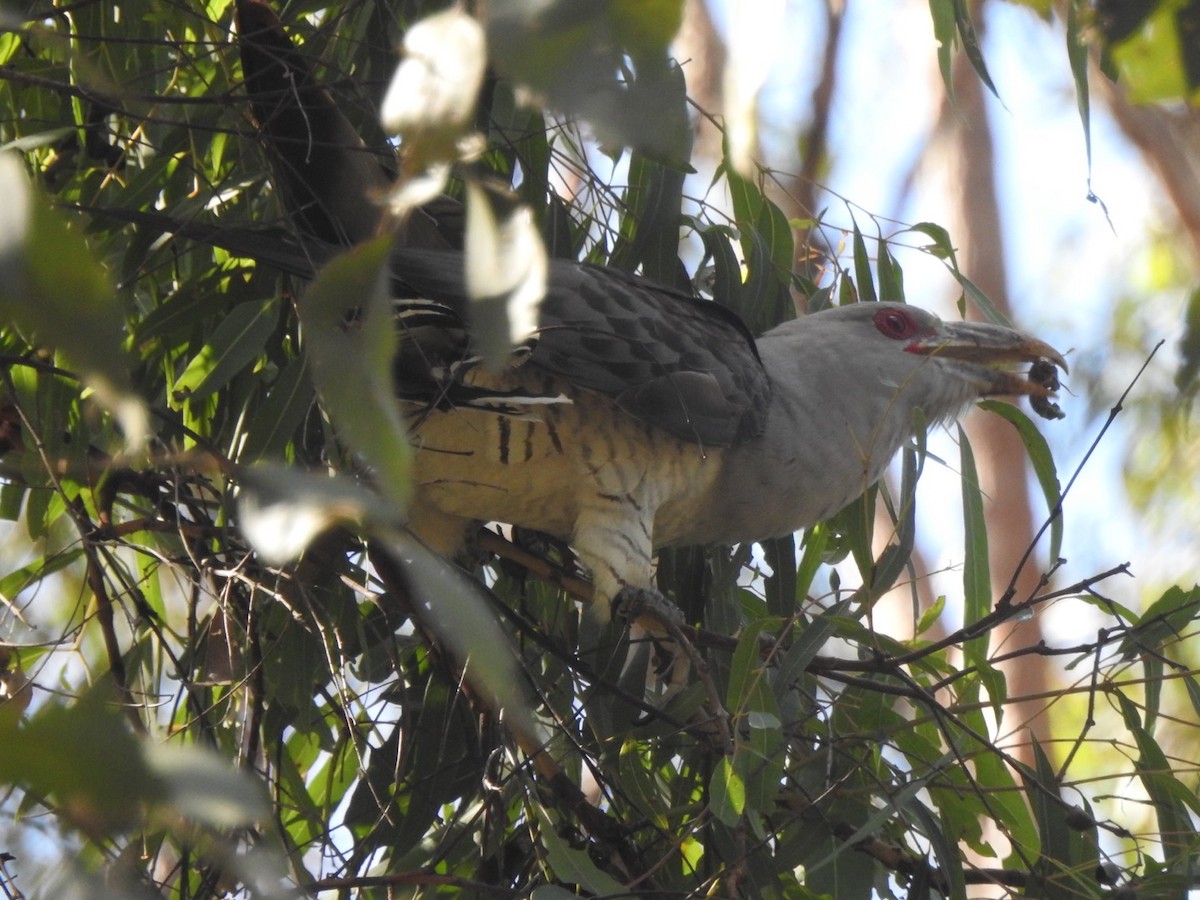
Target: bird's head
x=935, y=365
x=979, y=354
x=846, y=385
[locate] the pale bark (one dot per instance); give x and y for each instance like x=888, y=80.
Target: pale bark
x=1169, y=141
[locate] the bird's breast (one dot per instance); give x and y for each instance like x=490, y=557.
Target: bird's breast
x=542, y=468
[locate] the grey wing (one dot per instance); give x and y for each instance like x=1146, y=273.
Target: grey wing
x=684, y=365
x=688, y=366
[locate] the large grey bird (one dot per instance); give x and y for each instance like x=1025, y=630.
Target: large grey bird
x=641, y=417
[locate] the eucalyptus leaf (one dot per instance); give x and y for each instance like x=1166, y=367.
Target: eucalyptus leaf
x=235, y=343
x=351, y=341
x=52, y=287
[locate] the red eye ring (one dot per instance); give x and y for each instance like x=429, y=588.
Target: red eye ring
x=895, y=323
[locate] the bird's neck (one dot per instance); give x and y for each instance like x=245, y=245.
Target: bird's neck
x=833, y=426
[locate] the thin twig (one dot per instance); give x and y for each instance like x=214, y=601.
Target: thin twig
x=1006, y=598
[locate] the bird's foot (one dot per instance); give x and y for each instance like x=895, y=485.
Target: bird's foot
x=651, y=614
x=634, y=604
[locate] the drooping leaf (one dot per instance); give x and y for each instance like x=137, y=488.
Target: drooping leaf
x=727, y=793
x=970, y=43
x=1044, y=469
x=1164, y=621
x=575, y=866
x=576, y=57
x=52, y=286
x=862, y=269
x=1077, y=57
x=946, y=34
x=977, y=581
x=288, y=401
x=891, y=276
x=235, y=343
x=506, y=271
x=351, y=341
x=283, y=509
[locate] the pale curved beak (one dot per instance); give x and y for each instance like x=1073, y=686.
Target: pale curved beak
x=988, y=349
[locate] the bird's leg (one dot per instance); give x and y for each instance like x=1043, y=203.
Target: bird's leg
x=649, y=612
x=613, y=541
x=654, y=618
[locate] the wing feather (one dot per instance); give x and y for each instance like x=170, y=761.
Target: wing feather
x=686, y=365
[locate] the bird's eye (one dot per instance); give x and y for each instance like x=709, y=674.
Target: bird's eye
x=895, y=323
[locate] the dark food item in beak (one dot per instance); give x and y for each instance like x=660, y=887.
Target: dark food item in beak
x=1045, y=372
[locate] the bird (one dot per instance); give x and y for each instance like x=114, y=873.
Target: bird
x=639, y=416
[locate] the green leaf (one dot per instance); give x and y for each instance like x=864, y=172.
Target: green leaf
x=727, y=271
x=52, y=287
x=18, y=580
x=649, y=239
x=748, y=689
x=575, y=866
x=1150, y=60
x=977, y=582
x=576, y=56
x=1169, y=797
x=815, y=539
x=727, y=793
x=1163, y=622
x=891, y=276
x=639, y=785
x=175, y=316
x=945, y=33
x=235, y=343
x=970, y=43
x=351, y=340
x=941, y=248
x=944, y=846
x=206, y=788
x=1153, y=667
x=862, y=269
x=768, y=248
x=12, y=496
x=759, y=761
x=809, y=639
x=1193, y=692
x=1062, y=849
x=1005, y=801
x=288, y=402
x=552, y=892
x=1189, y=348
x=978, y=297
x=780, y=587
x=896, y=555
x=1077, y=57
x=645, y=26
x=931, y=615
x=1042, y=461
x=86, y=757
x=847, y=293
x=455, y=608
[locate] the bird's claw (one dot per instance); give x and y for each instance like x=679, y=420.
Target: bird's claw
x=678, y=660
x=633, y=604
